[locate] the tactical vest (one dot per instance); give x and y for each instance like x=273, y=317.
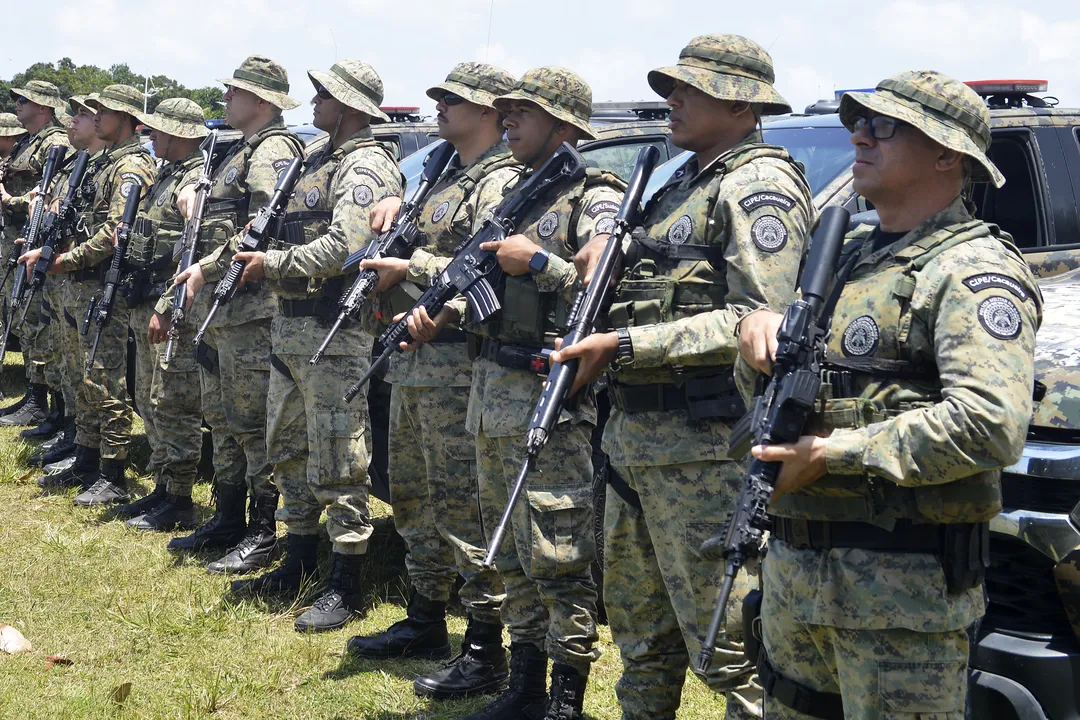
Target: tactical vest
x=874, y=357
x=528, y=316
x=79, y=232
x=675, y=272
x=227, y=208
x=105, y=181
x=21, y=176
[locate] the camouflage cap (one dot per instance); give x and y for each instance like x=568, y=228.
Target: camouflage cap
x=40, y=92
x=727, y=67
x=945, y=110
x=262, y=76
x=10, y=125
x=561, y=93
x=353, y=83
x=121, y=98
x=65, y=120
x=178, y=117
x=80, y=101
x=476, y=82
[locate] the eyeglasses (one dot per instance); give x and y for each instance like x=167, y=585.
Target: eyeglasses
x=450, y=99
x=21, y=100
x=882, y=127
x=323, y=92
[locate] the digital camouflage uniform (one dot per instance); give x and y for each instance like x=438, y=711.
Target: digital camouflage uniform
x=722, y=241
x=103, y=413
x=550, y=595
x=10, y=127
x=932, y=338
x=167, y=394
x=433, y=486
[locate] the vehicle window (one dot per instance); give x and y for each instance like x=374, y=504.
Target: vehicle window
x=1013, y=207
x=619, y=158
x=825, y=152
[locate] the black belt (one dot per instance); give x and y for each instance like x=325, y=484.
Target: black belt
x=906, y=536
x=795, y=695
x=315, y=307
x=648, y=398
x=714, y=397
x=516, y=357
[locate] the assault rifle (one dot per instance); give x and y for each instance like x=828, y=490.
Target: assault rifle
x=397, y=242
x=779, y=415
x=475, y=272
x=188, y=243
x=31, y=232
x=102, y=307
x=257, y=239
x=581, y=322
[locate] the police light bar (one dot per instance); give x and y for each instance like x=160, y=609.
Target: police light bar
x=398, y=109
x=1007, y=87
x=838, y=94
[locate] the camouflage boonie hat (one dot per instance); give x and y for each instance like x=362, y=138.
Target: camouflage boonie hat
x=10, y=125
x=478, y=83
x=80, y=101
x=561, y=93
x=40, y=92
x=121, y=98
x=945, y=110
x=727, y=67
x=178, y=117
x=353, y=83
x=262, y=76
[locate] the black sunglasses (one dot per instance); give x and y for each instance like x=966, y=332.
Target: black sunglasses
x=323, y=92
x=21, y=100
x=450, y=99
x=882, y=127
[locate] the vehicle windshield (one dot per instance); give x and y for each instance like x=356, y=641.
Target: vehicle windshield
x=413, y=165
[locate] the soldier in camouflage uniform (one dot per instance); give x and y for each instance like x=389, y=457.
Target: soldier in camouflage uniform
x=317, y=444
x=433, y=492
x=875, y=567
x=103, y=414
x=36, y=106
x=742, y=208
x=13, y=136
x=167, y=394
x=550, y=604
x=235, y=358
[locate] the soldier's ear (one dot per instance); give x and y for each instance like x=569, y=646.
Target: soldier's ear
x=949, y=159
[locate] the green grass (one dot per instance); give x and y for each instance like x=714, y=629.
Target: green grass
x=124, y=610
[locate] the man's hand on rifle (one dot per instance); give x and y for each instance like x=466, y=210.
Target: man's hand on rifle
x=193, y=277
x=159, y=328
x=588, y=258
x=513, y=253
x=423, y=328
x=383, y=214
x=29, y=260
x=757, y=339
x=185, y=201
x=391, y=271
x=254, y=267
x=594, y=353
x=804, y=463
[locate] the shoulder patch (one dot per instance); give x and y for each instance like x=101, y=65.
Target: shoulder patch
x=763, y=199
x=366, y=172
x=680, y=231
x=601, y=207
x=278, y=165
x=362, y=195
x=986, y=281
x=230, y=176
x=1000, y=317
x=311, y=199
x=440, y=211
x=860, y=337
x=548, y=225
x=769, y=233
x=605, y=226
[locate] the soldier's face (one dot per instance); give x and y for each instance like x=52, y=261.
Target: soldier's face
x=241, y=107
x=6, y=144
x=458, y=120
x=528, y=128
x=107, y=124
x=26, y=110
x=888, y=171
x=82, y=127
x=326, y=111
x=698, y=121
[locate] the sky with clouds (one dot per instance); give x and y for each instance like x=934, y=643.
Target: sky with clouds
x=817, y=47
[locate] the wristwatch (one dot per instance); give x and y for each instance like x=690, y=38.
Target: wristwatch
x=539, y=261
x=624, y=353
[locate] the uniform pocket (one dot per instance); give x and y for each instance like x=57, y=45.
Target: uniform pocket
x=922, y=690
x=562, y=531
x=342, y=449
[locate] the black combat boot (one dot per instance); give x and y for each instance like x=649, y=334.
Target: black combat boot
x=82, y=474
x=58, y=448
x=143, y=505
x=526, y=697
x=567, y=692
x=54, y=421
x=227, y=525
x=422, y=634
x=111, y=487
x=340, y=602
x=17, y=405
x=479, y=669
x=32, y=412
x=288, y=580
x=256, y=549
x=174, y=513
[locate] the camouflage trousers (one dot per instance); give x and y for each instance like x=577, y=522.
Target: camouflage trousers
x=52, y=307
x=545, y=564
x=168, y=399
x=317, y=442
x=102, y=410
x=660, y=593
x=70, y=352
x=234, y=403
x=882, y=674
x=436, y=500
x=35, y=336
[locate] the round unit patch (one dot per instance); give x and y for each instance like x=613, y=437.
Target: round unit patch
x=362, y=195
x=680, y=230
x=605, y=226
x=548, y=225
x=440, y=212
x=768, y=233
x=1000, y=317
x=161, y=199
x=125, y=189
x=230, y=176
x=861, y=337
x=311, y=199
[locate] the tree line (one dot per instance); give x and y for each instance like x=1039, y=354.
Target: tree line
x=75, y=79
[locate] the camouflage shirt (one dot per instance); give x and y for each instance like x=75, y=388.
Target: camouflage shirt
x=25, y=166
x=160, y=224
